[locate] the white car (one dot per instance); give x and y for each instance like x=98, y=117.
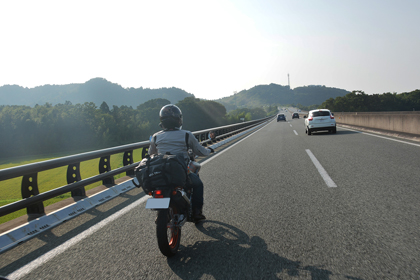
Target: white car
x=320, y=119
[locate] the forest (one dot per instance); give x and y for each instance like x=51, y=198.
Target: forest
x=358, y=101
x=67, y=127
x=46, y=129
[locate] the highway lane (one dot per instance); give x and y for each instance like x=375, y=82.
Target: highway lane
x=270, y=215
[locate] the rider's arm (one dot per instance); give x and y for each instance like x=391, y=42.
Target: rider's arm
x=196, y=146
x=152, y=147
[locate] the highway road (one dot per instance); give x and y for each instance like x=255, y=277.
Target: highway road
x=279, y=205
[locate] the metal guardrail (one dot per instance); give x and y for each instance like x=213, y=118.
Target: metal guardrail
x=32, y=200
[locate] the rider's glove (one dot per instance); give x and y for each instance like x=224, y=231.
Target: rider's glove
x=211, y=150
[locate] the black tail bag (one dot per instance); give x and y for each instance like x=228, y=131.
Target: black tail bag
x=161, y=170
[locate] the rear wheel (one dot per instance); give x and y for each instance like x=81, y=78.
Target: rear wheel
x=168, y=235
x=309, y=132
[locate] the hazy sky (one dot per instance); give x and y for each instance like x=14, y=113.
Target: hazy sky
x=213, y=48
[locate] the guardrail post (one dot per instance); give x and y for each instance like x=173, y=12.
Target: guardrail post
x=105, y=166
x=202, y=138
x=144, y=153
x=127, y=160
x=30, y=188
x=73, y=175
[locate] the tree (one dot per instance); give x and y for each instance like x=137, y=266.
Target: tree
x=358, y=101
x=104, y=107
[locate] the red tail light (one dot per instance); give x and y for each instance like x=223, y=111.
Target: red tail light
x=158, y=194
x=310, y=119
x=331, y=116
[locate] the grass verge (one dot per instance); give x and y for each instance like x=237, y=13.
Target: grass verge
x=10, y=190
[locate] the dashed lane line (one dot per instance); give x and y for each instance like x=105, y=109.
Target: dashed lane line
x=330, y=183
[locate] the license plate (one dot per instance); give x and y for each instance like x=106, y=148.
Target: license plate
x=158, y=203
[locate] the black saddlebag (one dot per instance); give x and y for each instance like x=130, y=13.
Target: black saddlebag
x=161, y=170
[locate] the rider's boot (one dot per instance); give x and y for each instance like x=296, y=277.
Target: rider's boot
x=198, y=215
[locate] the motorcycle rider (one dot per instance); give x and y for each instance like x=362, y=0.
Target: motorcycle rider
x=173, y=139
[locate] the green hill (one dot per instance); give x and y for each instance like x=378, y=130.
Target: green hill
x=263, y=95
x=95, y=90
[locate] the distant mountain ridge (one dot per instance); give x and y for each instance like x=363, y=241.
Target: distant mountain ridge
x=262, y=95
x=96, y=90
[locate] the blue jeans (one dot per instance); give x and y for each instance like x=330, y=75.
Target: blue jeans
x=198, y=192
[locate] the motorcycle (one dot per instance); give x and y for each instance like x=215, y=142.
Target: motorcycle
x=174, y=209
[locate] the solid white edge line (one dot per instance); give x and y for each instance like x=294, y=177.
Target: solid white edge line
x=60, y=249
x=218, y=154
x=26, y=269
x=396, y=140
x=330, y=183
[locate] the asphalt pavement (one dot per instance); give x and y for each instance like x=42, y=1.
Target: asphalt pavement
x=272, y=213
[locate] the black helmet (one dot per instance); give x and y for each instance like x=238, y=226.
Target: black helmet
x=170, y=117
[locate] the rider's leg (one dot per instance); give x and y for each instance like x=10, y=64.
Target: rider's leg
x=198, y=197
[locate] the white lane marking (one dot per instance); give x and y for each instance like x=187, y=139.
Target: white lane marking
x=295, y=132
x=396, y=140
x=291, y=125
x=219, y=153
x=21, y=272
x=330, y=183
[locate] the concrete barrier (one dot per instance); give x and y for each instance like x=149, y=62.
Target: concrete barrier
x=403, y=122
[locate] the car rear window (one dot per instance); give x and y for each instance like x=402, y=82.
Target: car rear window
x=320, y=114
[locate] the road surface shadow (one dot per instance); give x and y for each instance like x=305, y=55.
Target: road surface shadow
x=12, y=259
x=234, y=255
x=339, y=133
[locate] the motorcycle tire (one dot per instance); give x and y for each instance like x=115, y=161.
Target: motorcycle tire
x=168, y=235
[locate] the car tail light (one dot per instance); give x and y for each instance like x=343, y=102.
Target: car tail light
x=310, y=119
x=331, y=116
x=158, y=194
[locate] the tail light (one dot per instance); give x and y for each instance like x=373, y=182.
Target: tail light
x=332, y=117
x=158, y=194
x=310, y=119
